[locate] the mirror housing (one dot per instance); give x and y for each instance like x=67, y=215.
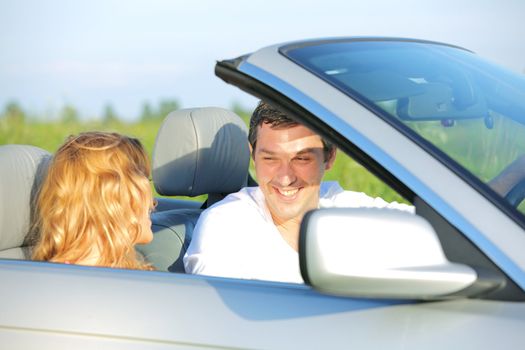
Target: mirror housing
x=379, y=253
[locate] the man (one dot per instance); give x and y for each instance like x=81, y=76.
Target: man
x=254, y=233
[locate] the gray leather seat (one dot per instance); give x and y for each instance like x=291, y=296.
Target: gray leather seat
x=21, y=170
x=197, y=151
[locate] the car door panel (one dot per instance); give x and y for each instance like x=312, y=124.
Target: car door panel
x=116, y=308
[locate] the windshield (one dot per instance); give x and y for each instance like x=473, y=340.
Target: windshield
x=473, y=112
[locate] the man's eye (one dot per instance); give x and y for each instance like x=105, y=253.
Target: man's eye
x=303, y=159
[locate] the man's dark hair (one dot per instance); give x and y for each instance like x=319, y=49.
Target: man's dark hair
x=265, y=113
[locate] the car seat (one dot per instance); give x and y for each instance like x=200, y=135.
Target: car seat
x=21, y=171
x=197, y=151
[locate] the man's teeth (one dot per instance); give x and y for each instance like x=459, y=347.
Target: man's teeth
x=288, y=193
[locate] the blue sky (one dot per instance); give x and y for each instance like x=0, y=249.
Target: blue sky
x=125, y=52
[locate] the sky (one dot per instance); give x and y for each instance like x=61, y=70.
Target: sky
x=125, y=52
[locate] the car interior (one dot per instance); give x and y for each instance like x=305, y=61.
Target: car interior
x=22, y=169
x=199, y=151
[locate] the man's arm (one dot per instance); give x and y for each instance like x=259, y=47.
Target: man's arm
x=196, y=255
x=334, y=195
x=213, y=250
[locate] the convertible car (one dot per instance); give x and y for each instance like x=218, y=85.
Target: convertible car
x=439, y=125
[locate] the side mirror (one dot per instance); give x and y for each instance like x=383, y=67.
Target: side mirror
x=379, y=253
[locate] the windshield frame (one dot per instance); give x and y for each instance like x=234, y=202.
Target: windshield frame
x=425, y=144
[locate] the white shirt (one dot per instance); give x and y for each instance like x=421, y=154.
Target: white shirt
x=236, y=237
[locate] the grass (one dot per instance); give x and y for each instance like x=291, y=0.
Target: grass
x=353, y=176
x=50, y=135
x=482, y=151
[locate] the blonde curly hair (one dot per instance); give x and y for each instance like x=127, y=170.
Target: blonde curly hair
x=93, y=200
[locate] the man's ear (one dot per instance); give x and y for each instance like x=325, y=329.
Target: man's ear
x=251, y=150
x=331, y=159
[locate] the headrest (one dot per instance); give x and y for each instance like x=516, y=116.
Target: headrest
x=22, y=169
x=201, y=151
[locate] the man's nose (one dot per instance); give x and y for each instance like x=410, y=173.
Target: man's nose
x=286, y=174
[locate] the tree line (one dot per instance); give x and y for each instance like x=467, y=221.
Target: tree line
x=14, y=113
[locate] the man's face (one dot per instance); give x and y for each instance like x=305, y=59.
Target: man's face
x=289, y=165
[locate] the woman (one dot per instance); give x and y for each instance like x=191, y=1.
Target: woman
x=95, y=201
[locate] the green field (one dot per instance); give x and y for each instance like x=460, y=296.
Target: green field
x=50, y=135
x=483, y=151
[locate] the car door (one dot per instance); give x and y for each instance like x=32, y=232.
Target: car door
x=73, y=307
x=50, y=306
x=472, y=229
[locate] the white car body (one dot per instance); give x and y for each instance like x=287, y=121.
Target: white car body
x=55, y=306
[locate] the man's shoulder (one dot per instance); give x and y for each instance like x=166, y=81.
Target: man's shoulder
x=329, y=189
x=333, y=195
x=231, y=217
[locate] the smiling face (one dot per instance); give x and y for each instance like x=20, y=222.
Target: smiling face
x=289, y=165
